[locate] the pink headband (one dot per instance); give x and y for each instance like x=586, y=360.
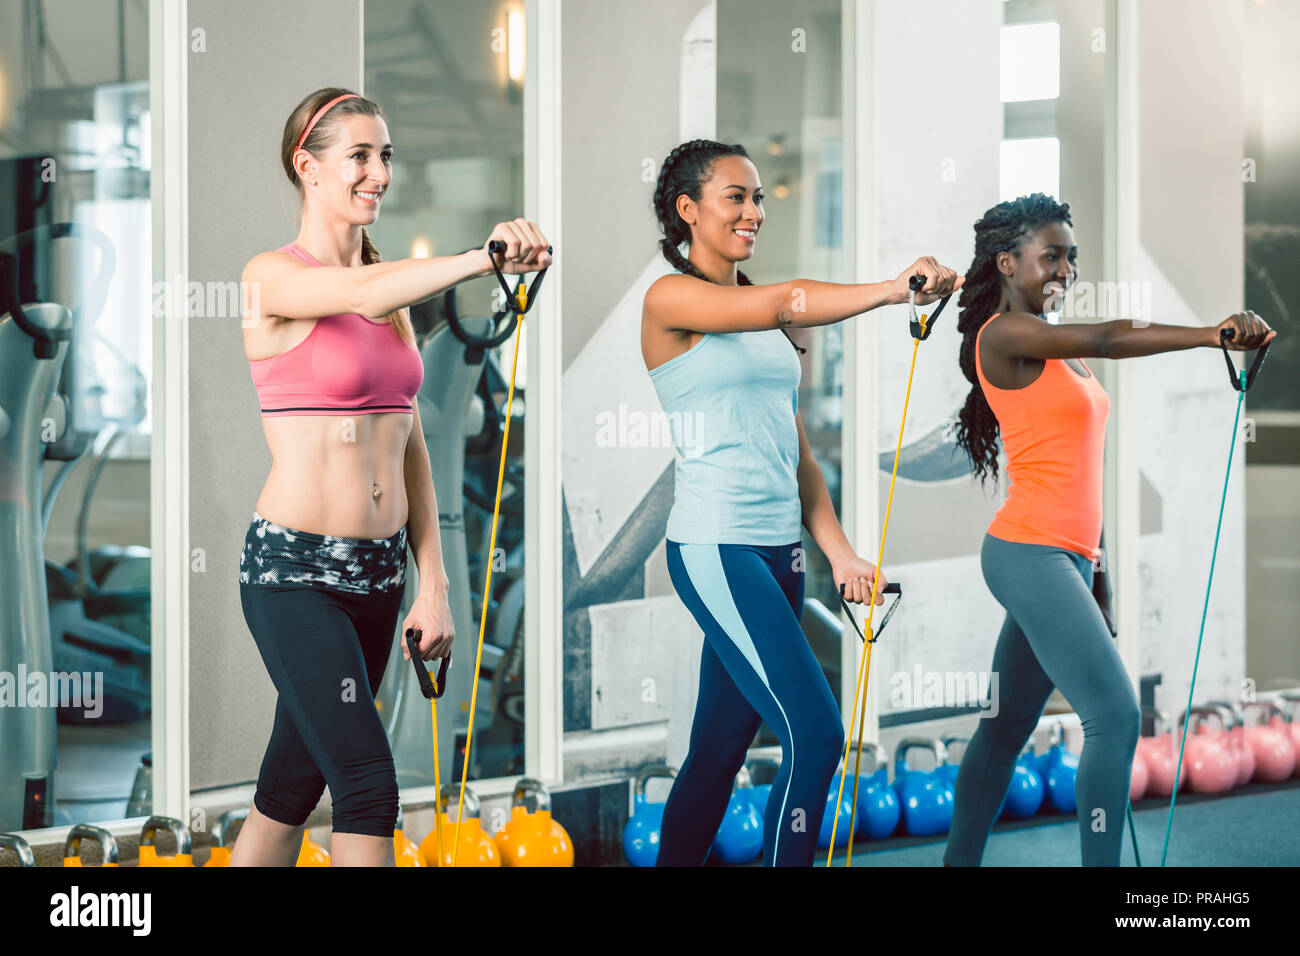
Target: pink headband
x=321, y=112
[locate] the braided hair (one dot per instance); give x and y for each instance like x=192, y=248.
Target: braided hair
x=1003, y=229
x=686, y=170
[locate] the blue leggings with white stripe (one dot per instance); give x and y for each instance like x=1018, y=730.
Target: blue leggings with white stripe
x=756, y=665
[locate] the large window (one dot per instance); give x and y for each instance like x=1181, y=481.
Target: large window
x=1030, y=85
x=75, y=599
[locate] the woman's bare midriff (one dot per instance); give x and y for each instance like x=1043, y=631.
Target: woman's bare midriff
x=322, y=471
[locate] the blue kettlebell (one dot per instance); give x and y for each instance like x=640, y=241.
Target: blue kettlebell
x=740, y=835
x=837, y=806
x=641, y=835
x=1024, y=796
x=926, y=797
x=1059, y=768
x=878, y=809
x=948, y=769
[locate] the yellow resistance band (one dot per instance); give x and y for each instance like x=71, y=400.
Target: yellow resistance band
x=437, y=779
x=521, y=298
x=860, y=694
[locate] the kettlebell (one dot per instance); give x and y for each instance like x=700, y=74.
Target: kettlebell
x=740, y=835
x=84, y=831
x=641, y=834
x=220, y=855
x=1160, y=754
x=1024, y=794
x=22, y=849
x=533, y=839
x=1275, y=756
x=926, y=797
x=1211, y=762
x=148, y=850
x=1237, y=738
x=837, y=806
x=1059, y=768
x=878, y=808
x=312, y=853
x=405, y=852
x=476, y=846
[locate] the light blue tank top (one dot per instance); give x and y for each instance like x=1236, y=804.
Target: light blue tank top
x=730, y=403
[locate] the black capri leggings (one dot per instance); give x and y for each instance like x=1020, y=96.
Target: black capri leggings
x=322, y=611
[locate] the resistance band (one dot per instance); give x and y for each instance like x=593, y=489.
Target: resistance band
x=1241, y=381
x=921, y=329
x=519, y=302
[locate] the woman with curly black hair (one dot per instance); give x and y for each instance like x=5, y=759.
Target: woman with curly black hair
x=1031, y=387
x=717, y=351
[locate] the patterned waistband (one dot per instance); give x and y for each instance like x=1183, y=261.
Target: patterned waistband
x=274, y=554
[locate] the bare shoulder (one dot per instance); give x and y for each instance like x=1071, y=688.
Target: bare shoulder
x=1009, y=326
x=668, y=288
x=268, y=265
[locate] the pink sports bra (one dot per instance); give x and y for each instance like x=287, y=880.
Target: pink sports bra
x=347, y=365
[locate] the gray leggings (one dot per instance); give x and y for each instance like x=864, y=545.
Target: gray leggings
x=1054, y=635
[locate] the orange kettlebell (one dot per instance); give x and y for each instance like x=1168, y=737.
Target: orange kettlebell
x=476, y=847
x=220, y=855
x=72, y=847
x=311, y=853
x=533, y=839
x=405, y=853
x=148, y=850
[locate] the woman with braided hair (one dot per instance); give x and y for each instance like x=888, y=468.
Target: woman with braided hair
x=1031, y=386
x=716, y=349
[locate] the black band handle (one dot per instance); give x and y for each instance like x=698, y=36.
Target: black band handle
x=892, y=587
x=1226, y=336
x=916, y=283
x=498, y=248
x=427, y=685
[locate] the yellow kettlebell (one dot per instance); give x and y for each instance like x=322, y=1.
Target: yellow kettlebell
x=220, y=855
x=148, y=851
x=405, y=853
x=72, y=847
x=533, y=839
x=476, y=847
x=311, y=853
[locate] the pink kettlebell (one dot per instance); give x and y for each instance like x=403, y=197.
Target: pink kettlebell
x=1271, y=742
x=1237, y=738
x=1211, y=765
x=1161, y=755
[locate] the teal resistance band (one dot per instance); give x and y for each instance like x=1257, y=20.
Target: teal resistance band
x=1241, y=381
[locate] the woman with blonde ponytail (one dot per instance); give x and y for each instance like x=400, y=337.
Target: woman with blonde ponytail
x=322, y=574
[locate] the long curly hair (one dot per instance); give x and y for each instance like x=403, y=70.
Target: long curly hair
x=686, y=170
x=323, y=135
x=1003, y=229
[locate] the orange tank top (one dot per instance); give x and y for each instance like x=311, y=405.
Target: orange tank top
x=1053, y=431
